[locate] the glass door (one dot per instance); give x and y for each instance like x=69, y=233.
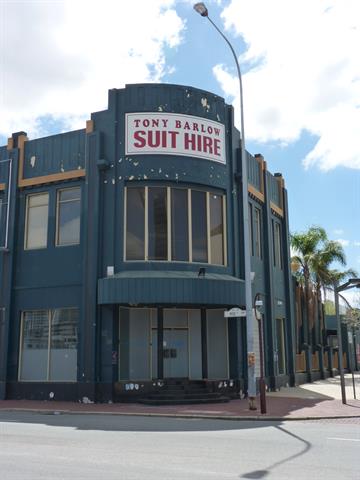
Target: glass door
x=175, y=353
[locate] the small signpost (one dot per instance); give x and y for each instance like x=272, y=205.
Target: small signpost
x=235, y=312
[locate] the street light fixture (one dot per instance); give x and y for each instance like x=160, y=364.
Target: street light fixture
x=203, y=11
x=351, y=283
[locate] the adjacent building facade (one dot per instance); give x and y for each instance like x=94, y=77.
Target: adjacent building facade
x=121, y=248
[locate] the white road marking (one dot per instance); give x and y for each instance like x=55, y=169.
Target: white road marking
x=345, y=439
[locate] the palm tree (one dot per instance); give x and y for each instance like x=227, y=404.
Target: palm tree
x=306, y=247
x=314, y=255
x=331, y=251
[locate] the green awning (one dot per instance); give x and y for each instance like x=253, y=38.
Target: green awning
x=171, y=288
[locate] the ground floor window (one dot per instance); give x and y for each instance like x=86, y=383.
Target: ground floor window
x=48, y=345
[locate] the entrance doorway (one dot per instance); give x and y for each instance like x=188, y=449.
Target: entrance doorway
x=176, y=352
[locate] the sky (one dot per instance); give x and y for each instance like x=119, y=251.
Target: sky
x=301, y=79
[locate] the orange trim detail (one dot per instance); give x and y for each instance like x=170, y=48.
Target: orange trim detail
x=10, y=144
x=56, y=177
x=21, y=146
x=89, y=126
x=276, y=209
x=2, y=186
x=260, y=196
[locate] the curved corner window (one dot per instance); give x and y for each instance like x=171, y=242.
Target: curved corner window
x=135, y=224
x=157, y=224
x=179, y=225
x=199, y=227
x=175, y=224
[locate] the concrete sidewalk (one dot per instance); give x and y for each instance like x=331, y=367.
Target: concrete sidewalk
x=321, y=399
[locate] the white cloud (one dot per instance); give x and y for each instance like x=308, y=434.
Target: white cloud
x=338, y=231
x=344, y=243
x=303, y=74
x=356, y=244
x=61, y=57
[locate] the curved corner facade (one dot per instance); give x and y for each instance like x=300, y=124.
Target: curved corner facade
x=121, y=249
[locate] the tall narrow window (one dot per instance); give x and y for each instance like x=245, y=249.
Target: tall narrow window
x=179, y=225
x=277, y=244
x=35, y=346
x=2, y=222
x=157, y=223
x=37, y=211
x=251, y=229
x=257, y=229
x=216, y=229
x=63, y=344
x=199, y=226
x=135, y=224
x=68, y=216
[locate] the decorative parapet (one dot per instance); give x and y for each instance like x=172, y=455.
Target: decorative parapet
x=256, y=169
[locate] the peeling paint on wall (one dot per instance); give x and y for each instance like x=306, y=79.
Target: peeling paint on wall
x=32, y=161
x=205, y=104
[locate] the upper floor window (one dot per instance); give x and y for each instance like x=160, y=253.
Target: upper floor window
x=251, y=229
x=2, y=221
x=36, y=223
x=257, y=231
x=68, y=216
x=277, y=244
x=175, y=224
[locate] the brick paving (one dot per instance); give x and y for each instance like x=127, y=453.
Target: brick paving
x=304, y=402
x=277, y=408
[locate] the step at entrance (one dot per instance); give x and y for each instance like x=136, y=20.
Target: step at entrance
x=184, y=391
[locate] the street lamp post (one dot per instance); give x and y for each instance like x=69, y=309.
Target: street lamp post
x=203, y=11
x=262, y=386
x=351, y=283
x=340, y=349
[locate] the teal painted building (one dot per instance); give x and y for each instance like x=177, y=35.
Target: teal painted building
x=121, y=249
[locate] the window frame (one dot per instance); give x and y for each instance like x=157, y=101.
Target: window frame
x=251, y=229
x=257, y=231
x=58, y=202
x=277, y=245
x=50, y=313
x=189, y=191
x=26, y=226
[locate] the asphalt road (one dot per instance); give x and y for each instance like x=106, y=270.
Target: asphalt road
x=38, y=446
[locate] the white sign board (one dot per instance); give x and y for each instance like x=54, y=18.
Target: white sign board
x=174, y=134
x=235, y=312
